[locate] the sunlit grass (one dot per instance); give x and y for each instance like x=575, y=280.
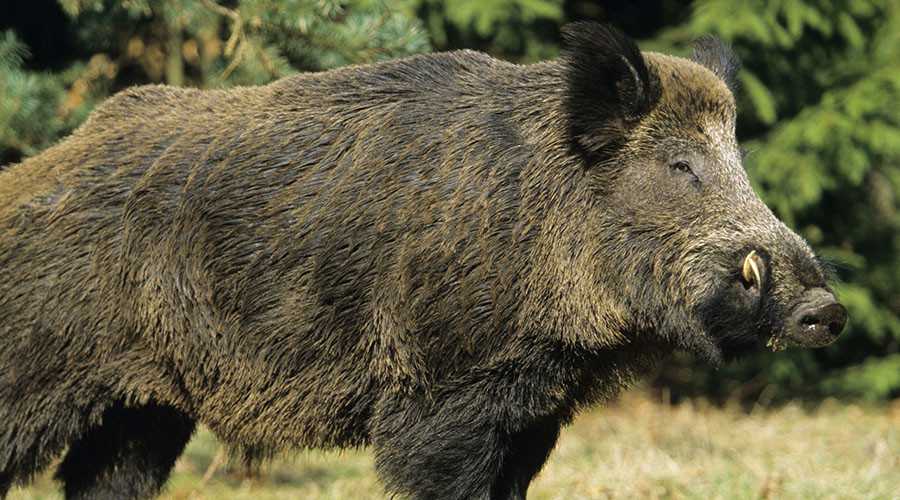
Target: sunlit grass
x=636, y=448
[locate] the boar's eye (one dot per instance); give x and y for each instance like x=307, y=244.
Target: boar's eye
x=682, y=167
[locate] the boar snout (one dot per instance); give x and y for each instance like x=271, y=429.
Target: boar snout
x=815, y=319
x=818, y=319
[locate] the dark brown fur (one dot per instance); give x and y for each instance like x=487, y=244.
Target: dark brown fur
x=427, y=256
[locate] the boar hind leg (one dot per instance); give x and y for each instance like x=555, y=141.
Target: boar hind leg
x=457, y=450
x=129, y=455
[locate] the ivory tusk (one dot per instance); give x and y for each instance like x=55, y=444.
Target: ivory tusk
x=750, y=269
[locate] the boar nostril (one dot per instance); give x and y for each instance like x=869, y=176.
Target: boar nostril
x=832, y=316
x=809, y=320
x=835, y=327
x=838, y=319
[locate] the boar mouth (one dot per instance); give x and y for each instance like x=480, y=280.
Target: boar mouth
x=745, y=313
x=734, y=316
x=815, y=321
x=753, y=272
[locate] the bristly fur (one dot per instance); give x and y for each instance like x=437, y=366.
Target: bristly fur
x=718, y=57
x=610, y=86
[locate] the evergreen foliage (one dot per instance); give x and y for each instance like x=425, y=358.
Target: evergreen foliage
x=818, y=114
x=516, y=29
x=198, y=43
x=36, y=107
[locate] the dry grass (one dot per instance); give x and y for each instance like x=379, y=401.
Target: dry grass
x=636, y=448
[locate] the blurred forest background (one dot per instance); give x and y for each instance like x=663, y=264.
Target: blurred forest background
x=819, y=113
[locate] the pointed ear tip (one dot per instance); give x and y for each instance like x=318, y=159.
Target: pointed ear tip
x=708, y=45
x=718, y=56
x=708, y=39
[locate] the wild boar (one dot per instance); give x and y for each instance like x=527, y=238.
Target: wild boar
x=442, y=257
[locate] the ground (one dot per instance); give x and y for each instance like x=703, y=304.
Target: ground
x=635, y=448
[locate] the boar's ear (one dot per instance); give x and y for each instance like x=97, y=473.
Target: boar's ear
x=718, y=57
x=610, y=86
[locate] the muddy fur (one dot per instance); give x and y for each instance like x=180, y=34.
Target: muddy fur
x=442, y=257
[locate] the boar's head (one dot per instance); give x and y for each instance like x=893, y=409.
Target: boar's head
x=675, y=234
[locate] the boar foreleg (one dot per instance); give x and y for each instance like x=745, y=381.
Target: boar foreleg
x=461, y=447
